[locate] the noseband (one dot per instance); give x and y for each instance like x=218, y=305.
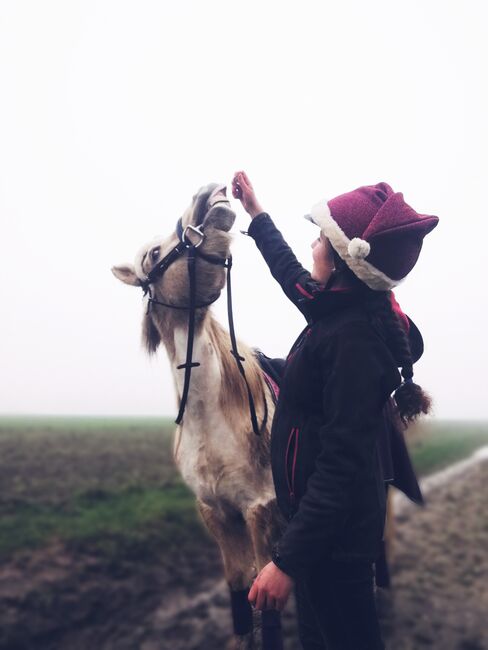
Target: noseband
x=187, y=245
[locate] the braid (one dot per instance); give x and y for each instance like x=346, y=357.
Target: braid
x=410, y=398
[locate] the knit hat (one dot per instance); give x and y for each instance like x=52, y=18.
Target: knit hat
x=375, y=232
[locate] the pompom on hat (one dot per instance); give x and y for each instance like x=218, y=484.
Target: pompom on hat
x=375, y=232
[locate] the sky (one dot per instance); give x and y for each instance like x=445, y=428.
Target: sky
x=112, y=115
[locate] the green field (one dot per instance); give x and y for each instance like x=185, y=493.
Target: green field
x=110, y=484
x=440, y=444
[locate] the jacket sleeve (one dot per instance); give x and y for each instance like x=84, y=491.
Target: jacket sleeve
x=354, y=392
x=293, y=278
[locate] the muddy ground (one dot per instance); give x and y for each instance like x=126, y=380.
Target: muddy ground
x=61, y=599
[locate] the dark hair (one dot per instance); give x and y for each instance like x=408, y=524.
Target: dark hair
x=411, y=400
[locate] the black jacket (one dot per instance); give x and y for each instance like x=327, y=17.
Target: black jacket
x=338, y=377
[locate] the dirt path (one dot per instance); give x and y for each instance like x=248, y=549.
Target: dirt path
x=440, y=595
x=56, y=600
x=440, y=573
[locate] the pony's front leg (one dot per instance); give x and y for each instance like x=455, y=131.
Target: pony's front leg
x=236, y=548
x=265, y=524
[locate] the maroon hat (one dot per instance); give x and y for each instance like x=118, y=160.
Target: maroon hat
x=375, y=232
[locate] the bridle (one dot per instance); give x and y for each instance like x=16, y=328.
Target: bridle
x=186, y=244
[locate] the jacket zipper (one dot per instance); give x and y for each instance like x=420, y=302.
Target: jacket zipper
x=298, y=343
x=290, y=481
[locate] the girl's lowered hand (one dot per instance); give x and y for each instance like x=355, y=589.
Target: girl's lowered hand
x=271, y=588
x=243, y=190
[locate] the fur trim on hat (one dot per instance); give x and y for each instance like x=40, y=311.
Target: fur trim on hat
x=358, y=248
x=352, y=251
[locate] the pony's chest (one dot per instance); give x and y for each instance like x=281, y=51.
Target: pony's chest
x=213, y=465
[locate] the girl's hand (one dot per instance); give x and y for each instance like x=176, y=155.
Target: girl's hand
x=271, y=588
x=243, y=190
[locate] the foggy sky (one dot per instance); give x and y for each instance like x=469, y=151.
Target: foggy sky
x=114, y=113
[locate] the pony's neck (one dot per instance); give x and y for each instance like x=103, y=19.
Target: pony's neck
x=206, y=378
x=217, y=389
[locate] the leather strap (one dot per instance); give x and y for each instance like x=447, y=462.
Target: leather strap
x=157, y=272
x=235, y=353
x=189, y=364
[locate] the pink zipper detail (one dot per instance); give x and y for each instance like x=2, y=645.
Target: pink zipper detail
x=303, y=291
x=295, y=451
x=290, y=490
x=291, y=484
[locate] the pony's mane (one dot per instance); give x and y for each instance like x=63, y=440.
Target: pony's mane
x=234, y=399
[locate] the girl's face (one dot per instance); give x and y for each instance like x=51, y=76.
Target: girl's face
x=323, y=259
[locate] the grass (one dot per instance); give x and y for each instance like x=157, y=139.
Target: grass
x=111, y=484
x=52, y=460
x=106, y=521
x=102, y=483
x=442, y=443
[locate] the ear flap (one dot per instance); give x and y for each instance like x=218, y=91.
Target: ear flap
x=126, y=274
x=150, y=335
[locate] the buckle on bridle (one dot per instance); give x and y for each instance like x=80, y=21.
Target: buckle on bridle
x=187, y=240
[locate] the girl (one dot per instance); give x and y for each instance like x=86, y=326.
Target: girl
x=338, y=377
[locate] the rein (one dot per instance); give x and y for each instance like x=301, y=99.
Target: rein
x=184, y=245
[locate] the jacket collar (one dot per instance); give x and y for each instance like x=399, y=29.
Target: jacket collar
x=330, y=301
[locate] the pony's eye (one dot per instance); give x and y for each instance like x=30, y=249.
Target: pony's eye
x=155, y=253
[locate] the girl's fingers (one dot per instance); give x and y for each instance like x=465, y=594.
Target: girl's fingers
x=245, y=183
x=261, y=599
x=246, y=179
x=252, y=593
x=242, y=188
x=242, y=178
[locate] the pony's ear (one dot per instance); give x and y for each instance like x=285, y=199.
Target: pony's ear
x=150, y=335
x=126, y=273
